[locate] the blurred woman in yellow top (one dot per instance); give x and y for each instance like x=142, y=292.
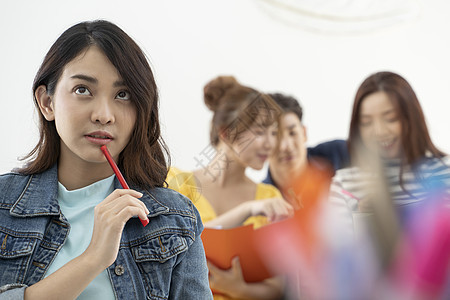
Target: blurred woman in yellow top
x=243, y=135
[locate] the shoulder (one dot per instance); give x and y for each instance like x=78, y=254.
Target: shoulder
x=169, y=197
x=177, y=205
x=12, y=178
x=174, y=171
x=183, y=182
x=169, y=201
x=12, y=185
x=332, y=146
x=435, y=169
x=176, y=178
x=334, y=151
x=266, y=191
x=437, y=164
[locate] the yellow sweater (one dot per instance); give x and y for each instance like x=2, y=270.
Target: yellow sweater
x=184, y=183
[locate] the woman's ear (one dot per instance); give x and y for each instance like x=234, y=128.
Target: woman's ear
x=223, y=135
x=45, y=102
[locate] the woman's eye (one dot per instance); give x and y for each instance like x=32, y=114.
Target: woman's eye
x=365, y=123
x=392, y=120
x=123, y=95
x=82, y=91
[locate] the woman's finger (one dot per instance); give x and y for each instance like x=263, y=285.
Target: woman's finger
x=128, y=212
x=124, y=201
x=117, y=193
x=125, y=198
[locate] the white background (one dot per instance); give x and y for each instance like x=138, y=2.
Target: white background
x=190, y=42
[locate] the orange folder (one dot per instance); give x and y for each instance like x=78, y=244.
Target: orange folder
x=262, y=251
x=221, y=245
x=259, y=249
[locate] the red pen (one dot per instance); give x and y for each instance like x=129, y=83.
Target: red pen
x=349, y=194
x=119, y=175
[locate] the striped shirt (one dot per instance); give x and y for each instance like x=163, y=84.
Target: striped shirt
x=420, y=182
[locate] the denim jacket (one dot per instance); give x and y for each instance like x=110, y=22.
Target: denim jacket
x=164, y=260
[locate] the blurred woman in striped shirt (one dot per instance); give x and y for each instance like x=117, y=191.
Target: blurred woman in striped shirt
x=392, y=153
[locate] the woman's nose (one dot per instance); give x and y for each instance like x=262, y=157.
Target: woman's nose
x=269, y=140
x=102, y=112
x=379, y=128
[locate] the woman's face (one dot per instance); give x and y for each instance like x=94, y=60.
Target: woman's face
x=91, y=107
x=379, y=125
x=253, y=146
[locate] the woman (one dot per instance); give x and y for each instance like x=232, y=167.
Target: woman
x=388, y=123
x=243, y=135
x=401, y=180
x=66, y=226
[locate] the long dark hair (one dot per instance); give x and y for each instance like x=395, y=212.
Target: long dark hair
x=416, y=140
x=143, y=161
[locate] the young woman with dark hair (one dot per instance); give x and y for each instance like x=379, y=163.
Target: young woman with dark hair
x=388, y=123
x=67, y=228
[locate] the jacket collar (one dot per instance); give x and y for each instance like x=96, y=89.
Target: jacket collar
x=40, y=196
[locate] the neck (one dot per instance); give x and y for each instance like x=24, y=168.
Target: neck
x=223, y=170
x=76, y=176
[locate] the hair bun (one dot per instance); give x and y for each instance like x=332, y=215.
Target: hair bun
x=216, y=89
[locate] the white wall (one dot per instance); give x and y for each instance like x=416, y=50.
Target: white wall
x=190, y=42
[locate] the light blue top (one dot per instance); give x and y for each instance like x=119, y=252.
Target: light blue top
x=78, y=208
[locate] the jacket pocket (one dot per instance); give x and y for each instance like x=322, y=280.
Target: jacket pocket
x=15, y=254
x=160, y=248
x=156, y=259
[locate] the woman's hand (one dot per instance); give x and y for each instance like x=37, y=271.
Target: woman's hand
x=228, y=282
x=110, y=217
x=275, y=209
x=231, y=282
x=365, y=205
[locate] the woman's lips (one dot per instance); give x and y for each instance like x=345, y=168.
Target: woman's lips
x=386, y=144
x=98, y=139
x=263, y=157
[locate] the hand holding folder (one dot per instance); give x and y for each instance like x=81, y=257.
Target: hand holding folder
x=260, y=249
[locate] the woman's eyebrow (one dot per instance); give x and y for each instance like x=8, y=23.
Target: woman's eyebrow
x=85, y=78
x=119, y=83
x=93, y=80
x=386, y=112
x=389, y=112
